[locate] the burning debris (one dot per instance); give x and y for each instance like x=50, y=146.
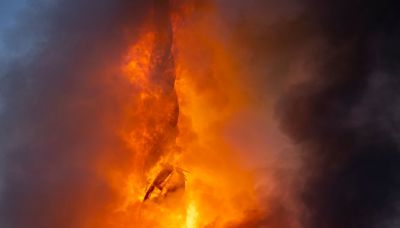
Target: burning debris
x=169, y=180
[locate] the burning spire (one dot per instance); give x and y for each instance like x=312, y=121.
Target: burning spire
x=151, y=69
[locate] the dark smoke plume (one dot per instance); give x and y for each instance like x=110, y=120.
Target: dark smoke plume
x=345, y=119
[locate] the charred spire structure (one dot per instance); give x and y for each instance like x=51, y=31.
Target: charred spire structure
x=157, y=107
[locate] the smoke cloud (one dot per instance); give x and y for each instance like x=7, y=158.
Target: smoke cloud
x=327, y=71
x=344, y=119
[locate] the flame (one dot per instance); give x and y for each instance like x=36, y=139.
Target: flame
x=139, y=57
x=191, y=215
x=184, y=92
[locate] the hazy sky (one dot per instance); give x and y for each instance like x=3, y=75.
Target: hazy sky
x=8, y=11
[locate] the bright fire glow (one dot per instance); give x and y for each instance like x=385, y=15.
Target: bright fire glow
x=218, y=191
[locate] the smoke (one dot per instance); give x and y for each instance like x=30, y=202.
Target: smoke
x=327, y=71
x=62, y=102
x=344, y=120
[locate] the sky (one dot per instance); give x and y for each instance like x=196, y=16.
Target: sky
x=8, y=15
x=9, y=11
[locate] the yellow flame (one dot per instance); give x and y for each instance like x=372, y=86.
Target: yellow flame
x=191, y=215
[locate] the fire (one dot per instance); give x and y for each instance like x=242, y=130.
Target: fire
x=191, y=216
x=138, y=67
x=185, y=90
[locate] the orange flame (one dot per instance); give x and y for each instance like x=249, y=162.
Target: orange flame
x=189, y=76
